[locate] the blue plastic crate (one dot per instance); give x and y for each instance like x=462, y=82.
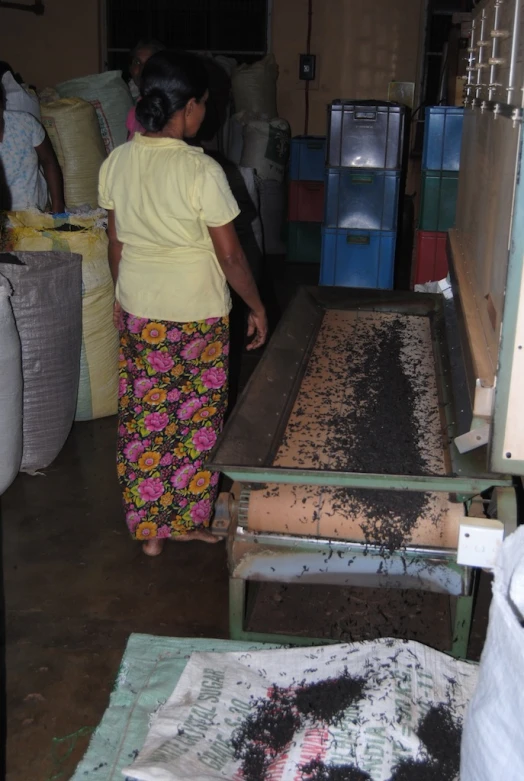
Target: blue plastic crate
x=361, y=198
x=353, y=258
x=442, y=138
x=308, y=159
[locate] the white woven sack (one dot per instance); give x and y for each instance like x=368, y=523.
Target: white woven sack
x=251, y=182
x=110, y=96
x=266, y=148
x=492, y=744
x=255, y=87
x=10, y=390
x=19, y=98
x=47, y=306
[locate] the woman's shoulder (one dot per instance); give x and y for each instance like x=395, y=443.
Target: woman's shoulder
x=114, y=161
x=117, y=154
x=204, y=163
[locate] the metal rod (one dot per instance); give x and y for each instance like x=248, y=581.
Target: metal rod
x=321, y=544
x=494, y=50
x=471, y=60
x=480, y=60
x=460, y=484
x=510, y=89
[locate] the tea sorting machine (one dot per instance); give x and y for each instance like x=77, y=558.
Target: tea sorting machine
x=377, y=423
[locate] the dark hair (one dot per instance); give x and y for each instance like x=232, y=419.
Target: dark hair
x=169, y=81
x=149, y=44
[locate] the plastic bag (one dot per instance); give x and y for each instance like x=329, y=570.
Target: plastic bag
x=492, y=745
x=266, y=147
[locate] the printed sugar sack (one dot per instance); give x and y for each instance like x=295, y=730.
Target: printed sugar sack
x=493, y=745
x=378, y=710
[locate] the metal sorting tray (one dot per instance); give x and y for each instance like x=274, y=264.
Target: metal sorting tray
x=354, y=390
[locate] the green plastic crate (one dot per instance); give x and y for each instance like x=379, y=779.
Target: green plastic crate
x=439, y=200
x=304, y=242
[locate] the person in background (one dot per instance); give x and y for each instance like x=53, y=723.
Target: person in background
x=138, y=58
x=172, y=251
x=24, y=149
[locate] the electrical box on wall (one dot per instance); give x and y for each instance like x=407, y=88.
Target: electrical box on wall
x=308, y=66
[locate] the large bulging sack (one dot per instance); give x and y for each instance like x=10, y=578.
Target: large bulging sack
x=111, y=98
x=47, y=306
x=73, y=129
x=98, y=386
x=255, y=87
x=266, y=147
x=10, y=390
x=492, y=744
x=19, y=97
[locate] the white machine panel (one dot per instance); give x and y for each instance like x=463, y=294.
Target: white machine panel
x=487, y=245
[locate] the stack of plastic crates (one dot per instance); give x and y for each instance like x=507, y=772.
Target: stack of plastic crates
x=365, y=145
x=306, y=198
x=440, y=172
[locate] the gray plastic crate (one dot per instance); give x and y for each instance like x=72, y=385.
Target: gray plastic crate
x=365, y=134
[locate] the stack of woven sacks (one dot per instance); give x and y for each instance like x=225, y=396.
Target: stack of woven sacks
x=259, y=139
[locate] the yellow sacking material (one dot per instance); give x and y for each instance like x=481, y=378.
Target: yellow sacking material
x=33, y=232
x=73, y=128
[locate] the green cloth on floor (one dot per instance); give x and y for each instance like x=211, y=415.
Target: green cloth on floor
x=149, y=672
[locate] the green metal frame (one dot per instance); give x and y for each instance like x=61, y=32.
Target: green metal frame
x=463, y=617
x=245, y=452
x=462, y=607
x=251, y=438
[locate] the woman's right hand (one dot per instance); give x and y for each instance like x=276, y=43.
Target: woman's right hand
x=257, y=327
x=117, y=315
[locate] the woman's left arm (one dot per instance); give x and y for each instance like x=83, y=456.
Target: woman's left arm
x=53, y=174
x=114, y=256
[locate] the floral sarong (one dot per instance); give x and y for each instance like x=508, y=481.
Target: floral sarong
x=172, y=401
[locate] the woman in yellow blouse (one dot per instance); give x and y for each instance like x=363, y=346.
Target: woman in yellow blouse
x=172, y=250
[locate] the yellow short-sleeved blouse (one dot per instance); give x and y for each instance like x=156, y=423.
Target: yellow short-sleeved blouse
x=165, y=194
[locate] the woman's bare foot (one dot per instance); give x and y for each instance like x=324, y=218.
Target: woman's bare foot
x=153, y=547
x=202, y=535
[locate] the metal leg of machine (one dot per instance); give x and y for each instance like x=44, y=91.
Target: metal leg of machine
x=462, y=618
x=269, y=558
x=237, y=616
x=461, y=610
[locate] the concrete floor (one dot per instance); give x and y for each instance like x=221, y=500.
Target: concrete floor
x=76, y=587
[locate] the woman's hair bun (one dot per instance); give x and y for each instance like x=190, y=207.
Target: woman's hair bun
x=169, y=81
x=153, y=111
